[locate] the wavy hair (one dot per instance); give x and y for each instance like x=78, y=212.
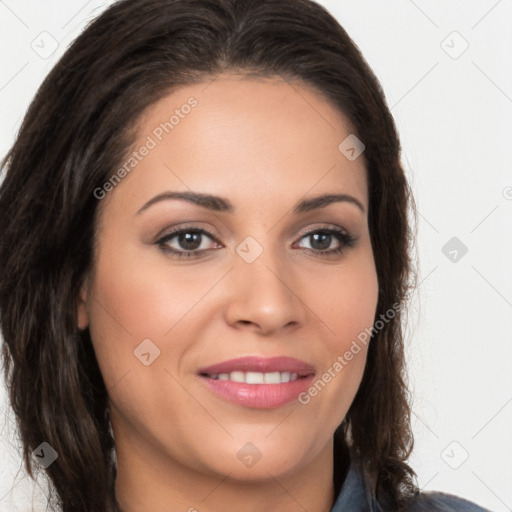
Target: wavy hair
x=79, y=128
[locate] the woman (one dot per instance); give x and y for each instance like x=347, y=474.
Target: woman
x=204, y=259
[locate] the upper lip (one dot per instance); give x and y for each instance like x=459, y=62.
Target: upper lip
x=260, y=364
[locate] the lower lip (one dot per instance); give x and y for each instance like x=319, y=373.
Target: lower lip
x=258, y=396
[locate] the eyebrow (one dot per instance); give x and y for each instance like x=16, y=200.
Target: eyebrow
x=220, y=204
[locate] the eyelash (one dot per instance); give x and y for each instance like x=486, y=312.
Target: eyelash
x=345, y=239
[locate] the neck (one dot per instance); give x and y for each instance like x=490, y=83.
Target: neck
x=149, y=480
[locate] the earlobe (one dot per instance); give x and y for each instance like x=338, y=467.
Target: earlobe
x=82, y=315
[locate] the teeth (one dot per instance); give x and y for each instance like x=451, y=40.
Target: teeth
x=272, y=378
x=237, y=376
x=256, y=377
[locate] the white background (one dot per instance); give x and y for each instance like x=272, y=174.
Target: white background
x=454, y=117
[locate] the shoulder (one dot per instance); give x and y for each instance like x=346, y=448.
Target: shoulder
x=442, y=502
x=356, y=495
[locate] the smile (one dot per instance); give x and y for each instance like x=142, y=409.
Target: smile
x=256, y=377
x=257, y=382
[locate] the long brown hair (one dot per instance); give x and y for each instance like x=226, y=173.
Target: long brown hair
x=77, y=131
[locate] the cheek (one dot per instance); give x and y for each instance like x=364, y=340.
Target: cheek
x=348, y=301
x=138, y=295
x=347, y=308
x=145, y=295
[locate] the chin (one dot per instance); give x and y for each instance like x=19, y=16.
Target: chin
x=259, y=460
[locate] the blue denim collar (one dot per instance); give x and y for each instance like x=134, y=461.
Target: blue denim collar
x=355, y=494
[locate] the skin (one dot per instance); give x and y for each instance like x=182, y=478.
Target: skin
x=264, y=145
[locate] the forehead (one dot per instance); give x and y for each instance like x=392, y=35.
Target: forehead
x=252, y=139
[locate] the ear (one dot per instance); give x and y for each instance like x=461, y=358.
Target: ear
x=82, y=315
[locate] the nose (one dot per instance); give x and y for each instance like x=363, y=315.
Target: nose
x=263, y=296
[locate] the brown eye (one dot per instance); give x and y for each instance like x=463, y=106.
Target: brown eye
x=320, y=241
x=328, y=241
x=187, y=242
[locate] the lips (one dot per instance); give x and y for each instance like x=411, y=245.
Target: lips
x=258, y=382
x=256, y=364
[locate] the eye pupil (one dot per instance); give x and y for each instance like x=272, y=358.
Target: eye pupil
x=190, y=240
x=324, y=240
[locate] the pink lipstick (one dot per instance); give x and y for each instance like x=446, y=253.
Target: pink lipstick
x=258, y=382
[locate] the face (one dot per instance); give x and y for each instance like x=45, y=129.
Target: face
x=223, y=289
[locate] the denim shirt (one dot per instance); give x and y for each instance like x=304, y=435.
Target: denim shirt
x=356, y=496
